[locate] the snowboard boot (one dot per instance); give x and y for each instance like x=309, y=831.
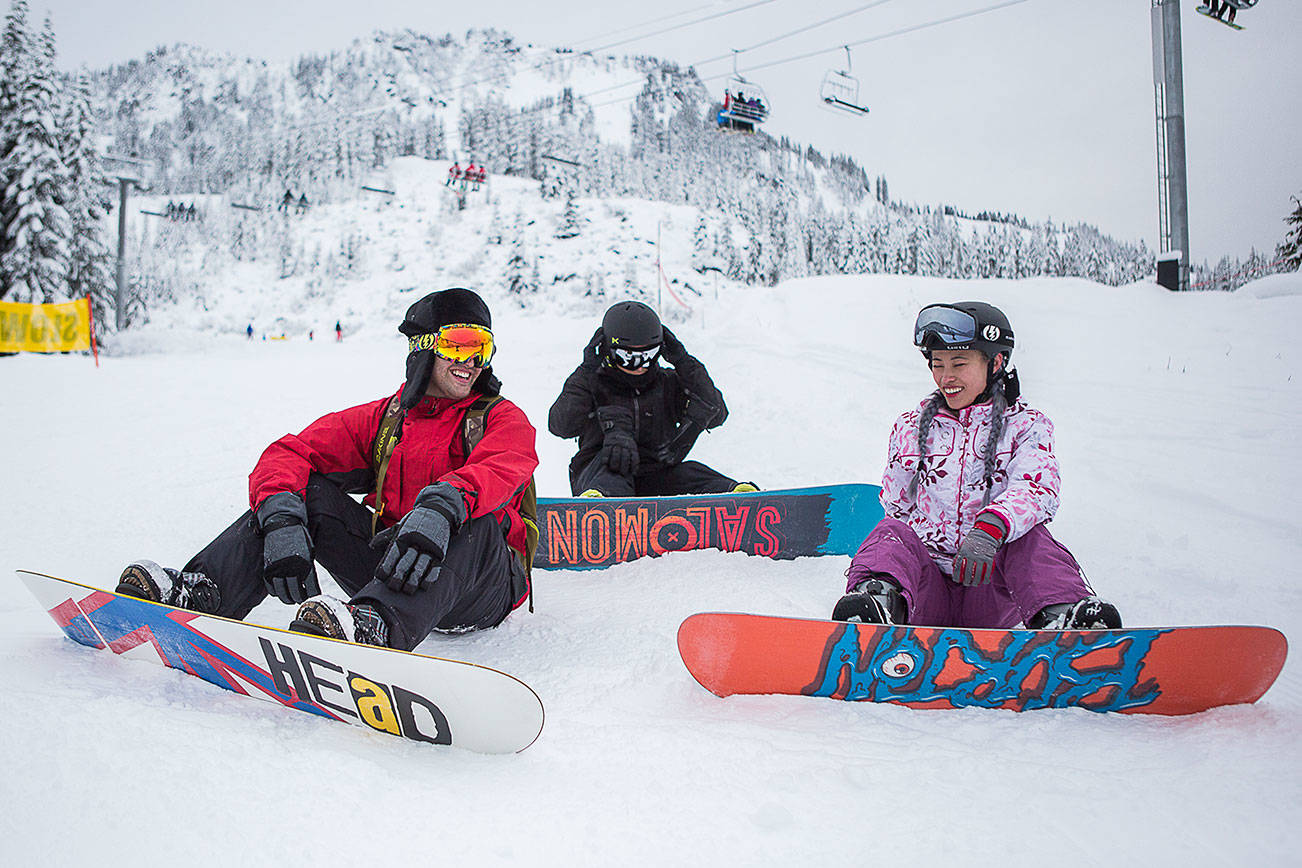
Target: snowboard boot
x=876, y=600
x=1090, y=613
x=146, y=580
x=331, y=617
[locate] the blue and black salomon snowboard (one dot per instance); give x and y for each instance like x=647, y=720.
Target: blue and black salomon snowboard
x=587, y=532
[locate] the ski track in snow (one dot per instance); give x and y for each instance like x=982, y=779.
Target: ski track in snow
x=1179, y=499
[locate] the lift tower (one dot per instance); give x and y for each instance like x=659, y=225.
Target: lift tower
x=1172, y=177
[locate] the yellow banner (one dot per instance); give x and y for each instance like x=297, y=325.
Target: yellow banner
x=44, y=328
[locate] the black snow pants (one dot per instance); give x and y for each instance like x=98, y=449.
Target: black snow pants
x=689, y=477
x=479, y=581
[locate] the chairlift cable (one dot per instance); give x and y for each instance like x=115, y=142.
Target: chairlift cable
x=923, y=26
x=762, y=44
x=797, y=32
x=901, y=32
x=712, y=17
x=609, y=33
x=735, y=51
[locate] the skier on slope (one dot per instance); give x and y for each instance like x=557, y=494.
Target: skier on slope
x=455, y=548
x=970, y=483
x=635, y=420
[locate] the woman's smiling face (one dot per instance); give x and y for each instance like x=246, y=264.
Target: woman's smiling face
x=961, y=375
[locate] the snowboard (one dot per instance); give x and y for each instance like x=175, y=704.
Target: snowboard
x=1206, y=13
x=420, y=698
x=597, y=532
x=1162, y=670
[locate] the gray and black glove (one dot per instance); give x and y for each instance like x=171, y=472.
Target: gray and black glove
x=287, y=568
x=975, y=562
x=618, y=446
x=418, y=543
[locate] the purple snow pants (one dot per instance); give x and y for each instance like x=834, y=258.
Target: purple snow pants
x=1031, y=572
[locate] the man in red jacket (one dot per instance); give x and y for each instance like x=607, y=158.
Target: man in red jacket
x=452, y=550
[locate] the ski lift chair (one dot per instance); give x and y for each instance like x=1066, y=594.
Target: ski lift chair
x=745, y=104
x=840, y=90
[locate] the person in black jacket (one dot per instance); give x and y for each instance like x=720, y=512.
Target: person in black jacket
x=635, y=420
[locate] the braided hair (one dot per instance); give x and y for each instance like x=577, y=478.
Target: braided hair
x=999, y=401
x=998, y=404
x=924, y=425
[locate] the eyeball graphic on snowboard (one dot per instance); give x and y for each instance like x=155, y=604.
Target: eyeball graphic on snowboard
x=899, y=665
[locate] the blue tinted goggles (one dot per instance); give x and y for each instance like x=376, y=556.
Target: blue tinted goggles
x=944, y=324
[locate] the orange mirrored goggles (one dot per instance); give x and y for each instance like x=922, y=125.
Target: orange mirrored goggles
x=457, y=343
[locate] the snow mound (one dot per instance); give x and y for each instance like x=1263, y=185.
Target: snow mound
x=1273, y=286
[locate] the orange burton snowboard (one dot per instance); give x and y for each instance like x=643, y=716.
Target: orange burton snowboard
x=1160, y=670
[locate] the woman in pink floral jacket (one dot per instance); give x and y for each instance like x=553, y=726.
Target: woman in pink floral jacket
x=970, y=482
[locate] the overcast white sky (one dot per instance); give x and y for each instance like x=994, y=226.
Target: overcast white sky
x=1043, y=108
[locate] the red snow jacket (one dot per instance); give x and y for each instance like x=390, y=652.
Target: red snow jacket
x=492, y=480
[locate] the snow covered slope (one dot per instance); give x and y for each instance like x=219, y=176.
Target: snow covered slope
x=1177, y=420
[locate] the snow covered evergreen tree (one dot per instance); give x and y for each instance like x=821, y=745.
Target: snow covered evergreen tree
x=1290, y=250
x=90, y=270
x=38, y=228
x=520, y=276
x=570, y=225
x=15, y=58
x=700, y=244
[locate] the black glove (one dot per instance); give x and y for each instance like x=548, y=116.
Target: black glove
x=618, y=447
x=595, y=352
x=697, y=416
x=671, y=348
x=975, y=562
x=699, y=412
x=418, y=543
x=287, y=568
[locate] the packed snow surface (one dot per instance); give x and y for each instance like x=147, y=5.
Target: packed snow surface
x=1177, y=423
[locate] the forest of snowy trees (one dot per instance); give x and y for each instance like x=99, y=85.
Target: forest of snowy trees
x=207, y=124
x=53, y=193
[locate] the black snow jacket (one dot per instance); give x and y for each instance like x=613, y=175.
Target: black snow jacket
x=670, y=407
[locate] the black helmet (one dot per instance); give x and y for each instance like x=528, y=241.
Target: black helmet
x=964, y=325
x=632, y=329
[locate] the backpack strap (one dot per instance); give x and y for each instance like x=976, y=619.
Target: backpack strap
x=386, y=438
x=471, y=434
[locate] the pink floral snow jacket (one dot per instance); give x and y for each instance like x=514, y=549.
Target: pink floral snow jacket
x=951, y=487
